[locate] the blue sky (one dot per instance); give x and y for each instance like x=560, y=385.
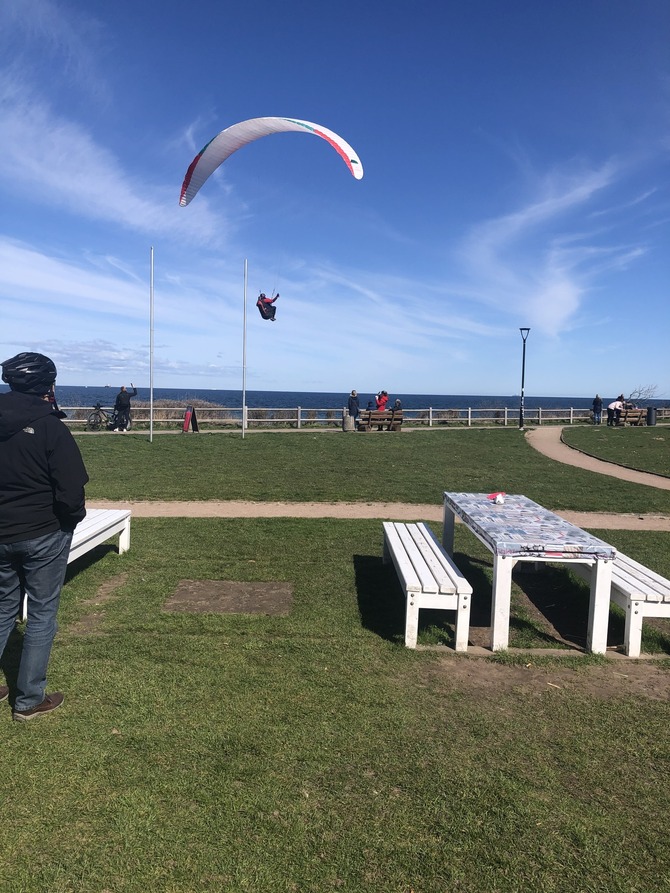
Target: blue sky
x=516, y=162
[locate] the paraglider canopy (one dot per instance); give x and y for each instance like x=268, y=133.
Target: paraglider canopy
x=233, y=138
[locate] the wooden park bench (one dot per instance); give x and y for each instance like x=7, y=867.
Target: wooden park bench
x=633, y=417
x=640, y=592
x=97, y=527
x=429, y=577
x=380, y=419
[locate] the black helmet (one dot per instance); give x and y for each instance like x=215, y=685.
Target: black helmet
x=262, y=294
x=30, y=373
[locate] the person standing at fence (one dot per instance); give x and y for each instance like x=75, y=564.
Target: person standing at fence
x=122, y=408
x=597, y=409
x=354, y=407
x=42, y=480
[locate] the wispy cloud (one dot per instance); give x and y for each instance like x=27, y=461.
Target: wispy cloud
x=43, y=36
x=540, y=261
x=56, y=162
x=47, y=54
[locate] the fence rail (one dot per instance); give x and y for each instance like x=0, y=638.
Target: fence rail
x=301, y=417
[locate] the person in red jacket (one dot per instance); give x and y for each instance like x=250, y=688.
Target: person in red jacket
x=266, y=306
x=381, y=400
x=42, y=479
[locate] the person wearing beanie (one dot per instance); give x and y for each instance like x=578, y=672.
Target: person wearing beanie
x=42, y=480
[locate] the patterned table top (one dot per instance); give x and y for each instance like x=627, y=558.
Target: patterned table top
x=522, y=528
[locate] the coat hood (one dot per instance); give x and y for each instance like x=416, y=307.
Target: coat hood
x=18, y=410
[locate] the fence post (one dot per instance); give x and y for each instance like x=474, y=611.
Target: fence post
x=505, y=416
x=469, y=417
x=299, y=420
x=539, y=415
x=430, y=416
x=572, y=418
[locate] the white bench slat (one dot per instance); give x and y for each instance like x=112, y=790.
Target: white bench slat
x=403, y=565
x=429, y=577
x=442, y=566
x=639, y=591
x=95, y=528
x=631, y=573
x=422, y=570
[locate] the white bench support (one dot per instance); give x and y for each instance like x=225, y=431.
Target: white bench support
x=639, y=591
x=429, y=577
x=96, y=528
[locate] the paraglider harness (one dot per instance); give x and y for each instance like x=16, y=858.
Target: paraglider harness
x=265, y=306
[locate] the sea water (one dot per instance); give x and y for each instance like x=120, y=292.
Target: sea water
x=72, y=395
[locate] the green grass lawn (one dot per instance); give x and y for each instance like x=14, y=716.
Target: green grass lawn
x=313, y=752
x=410, y=467
x=646, y=449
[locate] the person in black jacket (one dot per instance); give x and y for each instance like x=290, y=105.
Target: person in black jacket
x=122, y=407
x=597, y=406
x=42, y=479
x=354, y=407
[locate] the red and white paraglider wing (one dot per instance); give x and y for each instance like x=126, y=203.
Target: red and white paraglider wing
x=233, y=138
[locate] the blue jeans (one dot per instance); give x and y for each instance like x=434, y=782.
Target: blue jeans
x=39, y=566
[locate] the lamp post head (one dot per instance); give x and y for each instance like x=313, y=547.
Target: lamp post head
x=524, y=334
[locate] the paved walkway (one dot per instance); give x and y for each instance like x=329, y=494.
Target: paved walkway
x=548, y=441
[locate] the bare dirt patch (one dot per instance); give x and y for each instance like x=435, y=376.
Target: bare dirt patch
x=90, y=624
x=231, y=597
x=618, y=678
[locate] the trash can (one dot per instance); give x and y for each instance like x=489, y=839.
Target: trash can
x=651, y=415
x=347, y=420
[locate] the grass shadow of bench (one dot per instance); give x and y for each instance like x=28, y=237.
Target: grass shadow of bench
x=560, y=601
x=564, y=600
x=381, y=603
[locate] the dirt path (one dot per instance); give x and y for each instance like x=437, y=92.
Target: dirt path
x=382, y=510
x=546, y=440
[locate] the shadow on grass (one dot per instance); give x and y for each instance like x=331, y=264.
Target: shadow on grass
x=381, y=601
x=88, y=559
x=564, y=601
x=9, y=661
x=11, y=657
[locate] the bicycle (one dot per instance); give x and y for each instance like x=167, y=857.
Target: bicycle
x=100, y=418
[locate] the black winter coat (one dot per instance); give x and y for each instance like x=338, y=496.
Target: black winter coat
x=42, y=474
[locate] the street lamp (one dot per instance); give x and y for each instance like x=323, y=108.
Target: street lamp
x=524, y=335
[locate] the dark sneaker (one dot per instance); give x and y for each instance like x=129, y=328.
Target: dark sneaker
x=4, y=692
x=50, y=702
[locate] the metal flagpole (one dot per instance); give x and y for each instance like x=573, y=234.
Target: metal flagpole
x=244, y=354
x=151, y=346
x=524, y=335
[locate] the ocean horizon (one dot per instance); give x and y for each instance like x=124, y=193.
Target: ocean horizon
x=83, y=395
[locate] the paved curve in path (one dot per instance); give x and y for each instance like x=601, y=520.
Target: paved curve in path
x=548, y=441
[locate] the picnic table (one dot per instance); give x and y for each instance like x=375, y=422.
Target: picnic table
x=519, y=529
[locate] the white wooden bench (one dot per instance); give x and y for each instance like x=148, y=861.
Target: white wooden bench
x=429, y=577
x=96, y=528
x=639, y=591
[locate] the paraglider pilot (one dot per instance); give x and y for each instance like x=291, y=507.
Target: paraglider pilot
x=266, y=306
